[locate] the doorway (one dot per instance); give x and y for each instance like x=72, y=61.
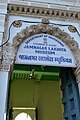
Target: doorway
x=43, y=91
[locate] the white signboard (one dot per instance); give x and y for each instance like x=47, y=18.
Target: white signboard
x=45, y=49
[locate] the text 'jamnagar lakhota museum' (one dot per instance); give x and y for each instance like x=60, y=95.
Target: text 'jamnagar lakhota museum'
x=39, y=60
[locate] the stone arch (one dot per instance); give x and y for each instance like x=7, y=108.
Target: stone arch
x=44, y=27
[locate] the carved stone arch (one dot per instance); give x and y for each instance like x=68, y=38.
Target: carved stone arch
x=10, y=50
x=46, y=28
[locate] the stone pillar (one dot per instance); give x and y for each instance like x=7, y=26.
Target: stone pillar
x=4, y=84
x=77, y=70
x=78, y=82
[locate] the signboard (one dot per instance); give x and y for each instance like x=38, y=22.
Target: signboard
x=45, y=49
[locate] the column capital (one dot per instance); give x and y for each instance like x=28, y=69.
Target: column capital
x=8, y=55
x=4, y=67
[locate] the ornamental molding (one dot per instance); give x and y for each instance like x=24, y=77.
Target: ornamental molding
x=32, y=11
x=45, y=27
x=8, y=56
x=10, y=50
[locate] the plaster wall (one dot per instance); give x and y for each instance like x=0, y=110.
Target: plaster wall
x=3, y=11
x=3, y=94
x=50, y=1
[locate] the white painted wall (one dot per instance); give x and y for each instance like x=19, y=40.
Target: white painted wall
x=3, y=75
x=3, y=93
x=58, y=2
x=3, y=12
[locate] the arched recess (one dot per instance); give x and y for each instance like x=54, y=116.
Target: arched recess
x=46, y=28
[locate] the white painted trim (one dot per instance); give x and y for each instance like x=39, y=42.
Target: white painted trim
x=23, y=108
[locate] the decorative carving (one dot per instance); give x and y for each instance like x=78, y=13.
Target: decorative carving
x=45, y=21
x=45, y=27
x=17, y=23
x=72, y=28
x=8, y=57
x=65, y=36
x=73, y=45
x=77, y=71
x=39, y=11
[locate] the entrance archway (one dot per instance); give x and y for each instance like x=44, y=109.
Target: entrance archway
x=54, y=31
x=46, y=29
x=10, y=50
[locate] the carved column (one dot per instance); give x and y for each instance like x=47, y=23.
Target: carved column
x=77, y=71
x=6, y=65
x=8, y=56
x=74, y=47
x=76, y=52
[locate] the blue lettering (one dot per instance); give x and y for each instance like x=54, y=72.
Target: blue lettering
x=56, y=40
x=42, y=58
x=26, y=57
x=62, y=59
x=57, y=49
x=45, y=52
x=35, y=47
x=34, y=37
